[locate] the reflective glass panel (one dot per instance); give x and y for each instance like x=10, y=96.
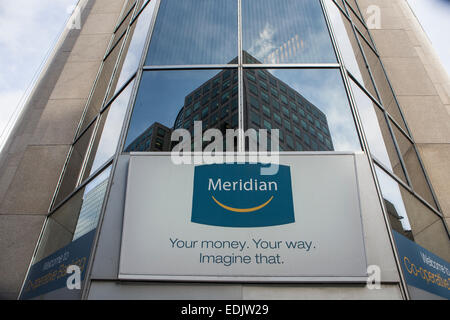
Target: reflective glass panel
x=321, y=104
x=122, y=28
x=75, y=218
x=108, y=132
x=393, y=195
x=194, y=32
x=413, y=167
x=73, y=168
x=411, y=218
x=285, y=31
x=349, y=48
x=169, y=100
x=377, y=132
x=134, y=46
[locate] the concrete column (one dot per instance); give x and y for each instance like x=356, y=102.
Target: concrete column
x=32, y=161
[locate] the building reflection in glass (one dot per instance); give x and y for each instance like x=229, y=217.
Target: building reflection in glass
x=309, y=107
x=394, y=200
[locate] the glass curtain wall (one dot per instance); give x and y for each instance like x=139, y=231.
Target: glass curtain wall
x=408, y=197
x=242, y=64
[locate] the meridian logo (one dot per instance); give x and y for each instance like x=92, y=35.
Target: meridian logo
x=247, y=186
x=237, y=195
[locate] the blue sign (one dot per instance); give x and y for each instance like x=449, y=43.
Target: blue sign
x=238, y=196
x=50, y=273
x=423, y=269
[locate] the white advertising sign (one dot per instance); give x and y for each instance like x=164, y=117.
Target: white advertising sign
x=228, y=223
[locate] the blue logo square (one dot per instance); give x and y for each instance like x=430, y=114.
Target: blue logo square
x=238, y=196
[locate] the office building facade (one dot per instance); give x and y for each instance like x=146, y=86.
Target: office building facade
x=336, y=82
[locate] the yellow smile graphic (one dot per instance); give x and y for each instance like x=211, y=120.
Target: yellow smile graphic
x=242, y=210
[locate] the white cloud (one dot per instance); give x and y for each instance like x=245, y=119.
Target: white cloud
x=264, y=44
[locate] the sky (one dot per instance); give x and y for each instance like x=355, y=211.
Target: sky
x=434, y=16
x=29, y=30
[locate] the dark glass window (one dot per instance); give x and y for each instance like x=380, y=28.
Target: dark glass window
x=205, y=113
x=253, y=89
x=255, y=119
x=206, y=88
x=225, y=112
x=225, y=97
x=254, y=102
x=289, y=141
x=287, y=124
x=226, y=84
x=266, y=110
x=234, y=91
x=251, y=77
x=276, y=104
x=214, y=105
x=277, y=118
x=263, y=85
x=265, y=97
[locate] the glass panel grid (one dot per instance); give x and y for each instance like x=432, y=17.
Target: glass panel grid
x=409, y=159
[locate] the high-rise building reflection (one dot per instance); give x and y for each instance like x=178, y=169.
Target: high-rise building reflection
x=269, y=103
